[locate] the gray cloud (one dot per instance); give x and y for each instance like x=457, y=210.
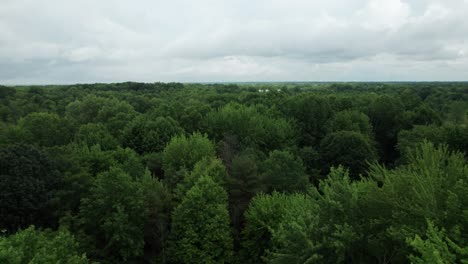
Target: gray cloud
x=56, y=41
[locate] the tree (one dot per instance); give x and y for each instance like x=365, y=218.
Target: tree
x=129, y=161
x=211, y=167
x=113, y=113
x=253, y=126
x=454, y=136
x=96, y=134
x=385, y=114
x=436, y=248
x=34, y=246
x=350, y=149
x=283, y=172
x=158, y=201
x=458, y=112
x=28, y=180
x=430, y=185
x=311, y=159
x=146, y=135
x=192, y=115
x=45, y=129
x=265, y=216
x=200, y=226
x=114, y=216
x=425, y=115
x=6, y=91
x=244, y=182
x=332, y=230
x=116, y=114
x=182, y=153
x=349, y=120
x=86, y=110
x=311, y=113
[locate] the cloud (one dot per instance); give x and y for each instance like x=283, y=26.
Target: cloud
x=54, y=41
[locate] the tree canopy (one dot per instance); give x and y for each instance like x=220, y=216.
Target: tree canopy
x=287, y=172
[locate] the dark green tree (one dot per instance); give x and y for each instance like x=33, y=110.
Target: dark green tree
x=350, y=149
x=283, y=172
x=28, y=180
x=96, y=134
x=158, y=202
x=349, y=120
x=386, y=113
x=244, y=182
x=45, y=129
x=311, y=112
x=146, y=135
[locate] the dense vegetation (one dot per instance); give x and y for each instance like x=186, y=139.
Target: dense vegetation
x=247, y=173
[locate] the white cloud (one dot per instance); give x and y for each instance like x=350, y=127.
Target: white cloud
x=56, y=41
x=83, y=54
x=384, y=14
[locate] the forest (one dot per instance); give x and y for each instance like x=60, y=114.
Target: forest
x=234, y=173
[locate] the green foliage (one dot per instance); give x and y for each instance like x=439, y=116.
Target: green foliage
x=252, y=126
x=283, y=172
x=159, y=202
x=129, y=161
x=331, y=232
x=350, y=120
x=96, y=134
x=455, y=136
x=36, y=247
x=385, y=114
x=211, y=167
x=98, y=160
x=75, y=181
x=311, y=159
x=431, y=186
x=182, y=153
x=27, y=182
x=113, y=113
x=436, y=248
x=146, y=135
x=45, y=129
x=244, y=181
x=458, y=112
x=6, y=91
x=114, y=215
x=192, y=114
x=200, y=226
x=350, y=149
x=311, y=112
x=93, y=141
x=264, y=218
x=424, y=115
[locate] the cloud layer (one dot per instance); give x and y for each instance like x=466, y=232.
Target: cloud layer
x=64, y=41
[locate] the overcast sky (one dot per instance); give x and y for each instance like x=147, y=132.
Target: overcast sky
x=64, y=41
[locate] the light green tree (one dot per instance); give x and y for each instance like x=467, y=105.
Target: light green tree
x=37, y=247
x=200, y=226
x=181, y=155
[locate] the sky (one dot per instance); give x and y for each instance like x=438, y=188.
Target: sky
x=87, y=41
